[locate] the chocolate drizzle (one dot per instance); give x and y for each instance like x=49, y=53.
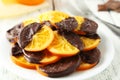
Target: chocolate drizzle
x=91, y=56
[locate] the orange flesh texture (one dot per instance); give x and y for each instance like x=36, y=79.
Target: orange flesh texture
x=41, y=40
x=49, y=58
x=90, y=43
x=61, y=47
x=20, y=61
x=85, y=66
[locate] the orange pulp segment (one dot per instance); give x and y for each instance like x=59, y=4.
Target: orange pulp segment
x=85, y=66
x=60, y=46
x=53, y=16
x=90, y=43
x=20, y=61
x=41, y=40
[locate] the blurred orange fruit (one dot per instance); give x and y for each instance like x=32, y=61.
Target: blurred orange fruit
x=30, y=2
x=90, y=43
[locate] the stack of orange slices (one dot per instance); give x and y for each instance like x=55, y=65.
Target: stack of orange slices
x=51, y=43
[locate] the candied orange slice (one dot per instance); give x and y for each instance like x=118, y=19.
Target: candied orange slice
x=29, y=21
x=41, y=40
x=60, y=46
x=49, y=58
x=90, y=43
x=80, y=20
x=53, y=16
x=85, y=66
x=20, y=61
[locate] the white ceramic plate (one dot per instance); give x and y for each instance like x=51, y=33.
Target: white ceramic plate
x=106, y=48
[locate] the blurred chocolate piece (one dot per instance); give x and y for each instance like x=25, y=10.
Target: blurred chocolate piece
x=63, y=67
x=12, y=34
x=89, y=26
x=68, y=24
x=16, y=50
x=113, y=5
x=91, y=56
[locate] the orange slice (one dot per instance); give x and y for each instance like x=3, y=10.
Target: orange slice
x=49, y=58
x=85, y=66
x=20, y=61
x=41, y=40
x=60, y=46
x=53, y=16
x=90, y=43
x=29, y=21
x=80, y=20
x=40, y=71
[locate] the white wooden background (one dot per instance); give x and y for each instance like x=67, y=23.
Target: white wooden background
x=110, y=73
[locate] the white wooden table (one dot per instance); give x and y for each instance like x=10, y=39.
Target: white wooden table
x=110, y=73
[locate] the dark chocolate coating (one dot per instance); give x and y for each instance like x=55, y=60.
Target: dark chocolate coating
x=89, y=26
x=12, y=33
x=63, y=67
x=34, y=57
x=93, y=36
x=27, y=33
x=73, y=39
x=68, y=24
x=91, y=56
x=16, y=50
